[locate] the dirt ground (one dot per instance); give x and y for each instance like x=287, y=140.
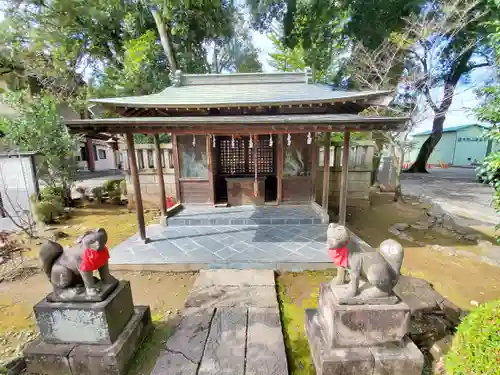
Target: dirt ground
x=464, y=280
x=163, y=292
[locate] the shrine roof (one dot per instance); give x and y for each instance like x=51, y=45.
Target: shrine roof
x=253, y=124
x=242, y=89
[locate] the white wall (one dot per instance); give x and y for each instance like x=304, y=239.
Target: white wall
x=16, y=183
x=105, y=159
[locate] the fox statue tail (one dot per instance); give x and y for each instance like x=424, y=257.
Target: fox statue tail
x=49, y=252
x=393, y=253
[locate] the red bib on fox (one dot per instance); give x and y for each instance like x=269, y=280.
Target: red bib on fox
x=92, y=259
x=339, y=256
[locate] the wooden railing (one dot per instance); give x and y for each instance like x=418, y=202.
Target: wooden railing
x=360, y=156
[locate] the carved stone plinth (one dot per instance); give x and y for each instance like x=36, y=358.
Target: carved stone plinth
x=360, y=325
x=360, y=339
x=88, y=338
x=85, y=322
x=60, y=359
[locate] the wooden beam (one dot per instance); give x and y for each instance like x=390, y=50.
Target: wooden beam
x=326, y=171
x=210, y=169
x=175, y=154
x=343, y=181
x=279, y=168
x=161, y=181
x=314, y=166
x=132, y=164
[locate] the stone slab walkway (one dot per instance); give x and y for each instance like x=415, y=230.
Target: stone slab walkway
x=230, y=325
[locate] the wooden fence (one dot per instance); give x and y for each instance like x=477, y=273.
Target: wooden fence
x=359, y=178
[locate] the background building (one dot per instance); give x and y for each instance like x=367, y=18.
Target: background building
x=459, y=146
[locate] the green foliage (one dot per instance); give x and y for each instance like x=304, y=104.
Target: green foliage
x=148, y=139
x=38, y=127
x=489, y=111
x=111, y=185
x=476, y=345
x=98, y=193
x=46, y=211
x=113, y=189
x=285, y=59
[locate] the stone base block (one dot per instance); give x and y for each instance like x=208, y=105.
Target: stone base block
x=67, y=359
x=360, y=325
x=387, y=359
x=85, y=322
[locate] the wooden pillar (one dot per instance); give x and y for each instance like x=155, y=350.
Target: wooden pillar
x=134, y=174
x=89, y=145
x=326, y=171
x=255, y=166
x=159, y=171
x=175, y=154
x=343, y=181
x=314, y=166
x=279, y=168
x=210, y=168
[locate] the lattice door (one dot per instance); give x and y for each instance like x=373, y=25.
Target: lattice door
x=265, y=156
x=232, y=160
x=239, y=160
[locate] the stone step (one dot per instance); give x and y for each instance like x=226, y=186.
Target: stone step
x=241, y=221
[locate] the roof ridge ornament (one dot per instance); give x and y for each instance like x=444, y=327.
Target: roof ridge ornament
x=177, y=78
x=309, y=75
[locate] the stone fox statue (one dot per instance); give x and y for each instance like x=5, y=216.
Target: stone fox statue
x=381, y=269
x=74, y=266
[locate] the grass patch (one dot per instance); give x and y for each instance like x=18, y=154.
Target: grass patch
x=119, y=222
x=296, y=292
x=144, y=359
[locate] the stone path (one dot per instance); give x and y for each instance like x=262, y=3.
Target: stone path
x=244, y=237
x=456, y=191
x=230, y=325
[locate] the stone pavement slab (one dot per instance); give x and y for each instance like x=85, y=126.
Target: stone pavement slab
x=232, y=296
x=225, y=246
x=265, y=345
x=225, y=349
x=208, y=278
x=230, y=325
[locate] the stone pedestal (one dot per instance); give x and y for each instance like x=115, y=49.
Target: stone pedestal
x=360, y=339
x=93, y=338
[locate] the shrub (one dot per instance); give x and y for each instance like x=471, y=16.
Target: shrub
x=98, y=192
x=476, y=345
x=49, y=193
x=47, y=211
x=111, y=185
x=115, y=196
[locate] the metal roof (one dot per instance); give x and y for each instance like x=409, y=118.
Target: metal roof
x=451, y=129
x=240, y=89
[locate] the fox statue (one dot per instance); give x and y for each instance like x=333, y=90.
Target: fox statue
x=71, y=267
x=381, y=269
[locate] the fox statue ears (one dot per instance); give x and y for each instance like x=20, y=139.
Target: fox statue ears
x=80, y=239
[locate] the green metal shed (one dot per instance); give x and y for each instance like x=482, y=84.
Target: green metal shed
x=462, y=146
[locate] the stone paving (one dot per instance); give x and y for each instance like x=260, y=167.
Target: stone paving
x=286, y=240
x=230, y=325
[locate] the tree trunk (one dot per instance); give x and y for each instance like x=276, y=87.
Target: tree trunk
x=166, y=41
x=428, y=146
